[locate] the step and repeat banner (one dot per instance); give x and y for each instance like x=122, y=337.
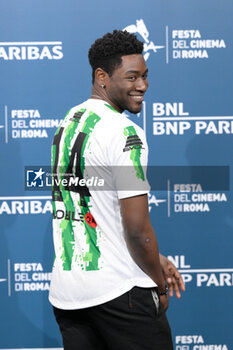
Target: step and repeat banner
x=188, y=119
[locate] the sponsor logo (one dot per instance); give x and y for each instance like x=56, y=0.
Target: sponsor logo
x=141, y=29
x=185, y=44
x=189, y=189
x=25, y=205
x=68, y=215
x=190, y=44
x=27, y=124
x=133, y=142
x=90, y=220
x=30, y=277
x=77, y=116
x=31, y=51
x=196, y=342
x=154, y=202
x=174, y=119
x=201, y=278
x=190, y=198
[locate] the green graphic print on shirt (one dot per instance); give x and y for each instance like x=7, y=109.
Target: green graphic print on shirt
x=135, y=153
x=90, y=259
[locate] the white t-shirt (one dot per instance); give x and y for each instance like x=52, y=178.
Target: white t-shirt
x=104, y=157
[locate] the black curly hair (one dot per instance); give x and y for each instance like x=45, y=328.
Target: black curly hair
x=106, y=52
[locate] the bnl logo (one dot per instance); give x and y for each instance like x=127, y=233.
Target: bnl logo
x=35, y=178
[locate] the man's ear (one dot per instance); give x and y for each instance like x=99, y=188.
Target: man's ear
x=101, y=77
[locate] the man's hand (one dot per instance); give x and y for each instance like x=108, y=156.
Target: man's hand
x=172, y=276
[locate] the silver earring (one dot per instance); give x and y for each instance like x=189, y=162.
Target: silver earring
x=103, y=86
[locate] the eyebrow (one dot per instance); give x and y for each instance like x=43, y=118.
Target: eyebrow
x=136, y=71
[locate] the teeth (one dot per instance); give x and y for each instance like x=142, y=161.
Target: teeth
x=137, y=97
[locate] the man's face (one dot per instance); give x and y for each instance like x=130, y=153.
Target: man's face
x=128, y=83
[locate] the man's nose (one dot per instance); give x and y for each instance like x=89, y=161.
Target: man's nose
x=141, y=84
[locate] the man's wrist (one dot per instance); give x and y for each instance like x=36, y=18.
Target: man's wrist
x=163, y=291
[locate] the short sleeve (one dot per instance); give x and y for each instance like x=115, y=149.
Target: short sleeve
x=128, y=157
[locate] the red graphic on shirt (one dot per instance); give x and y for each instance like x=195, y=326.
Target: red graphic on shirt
x=90, y=220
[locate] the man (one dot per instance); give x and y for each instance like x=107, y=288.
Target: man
x=108, y=288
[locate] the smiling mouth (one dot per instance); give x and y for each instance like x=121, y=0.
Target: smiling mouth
x=138, y=98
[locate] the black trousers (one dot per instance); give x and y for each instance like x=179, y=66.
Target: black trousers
x=133, y=321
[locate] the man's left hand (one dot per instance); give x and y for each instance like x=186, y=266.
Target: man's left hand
x=172, y=277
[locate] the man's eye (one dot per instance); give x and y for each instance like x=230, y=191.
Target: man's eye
x=132, y=78
x=144, y=76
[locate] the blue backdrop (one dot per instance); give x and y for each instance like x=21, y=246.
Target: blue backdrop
x=188, y=120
